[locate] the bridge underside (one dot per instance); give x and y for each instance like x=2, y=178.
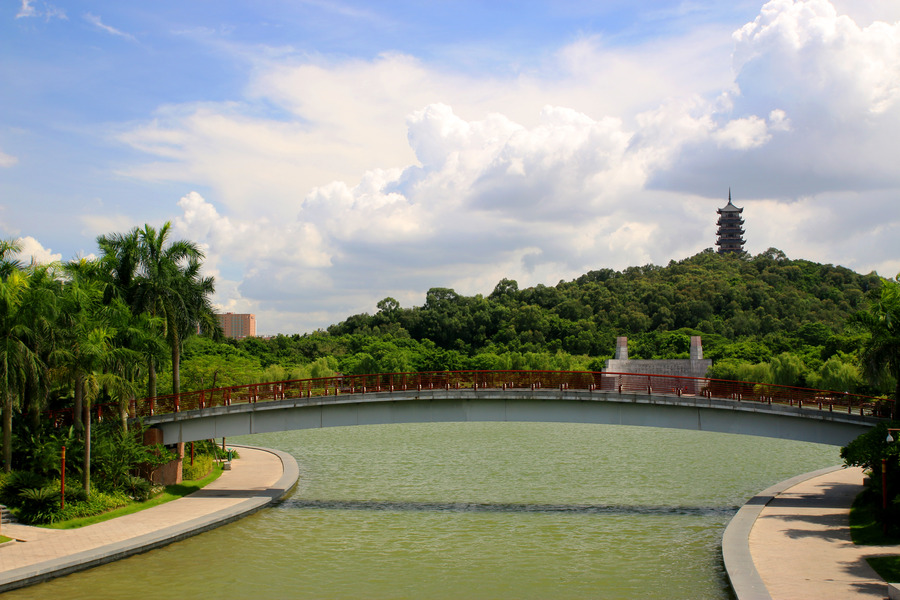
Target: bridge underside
x=575, y=406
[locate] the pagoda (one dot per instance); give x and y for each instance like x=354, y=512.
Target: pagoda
x=731, y=229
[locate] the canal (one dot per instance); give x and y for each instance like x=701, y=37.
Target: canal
x=474, y=510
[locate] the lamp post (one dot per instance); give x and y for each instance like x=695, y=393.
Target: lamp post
x=884, y=495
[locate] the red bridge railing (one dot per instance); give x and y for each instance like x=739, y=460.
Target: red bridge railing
x=474, y=380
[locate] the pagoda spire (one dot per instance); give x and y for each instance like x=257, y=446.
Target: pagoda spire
x=729, y=237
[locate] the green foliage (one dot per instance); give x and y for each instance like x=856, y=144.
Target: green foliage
x=873, y=452
x=118, y=454
x=15, y=482
x=765, y=318
x=868, y=449
x=137, y=488
x=881, y=351
x=37, y=505
x=203, y=464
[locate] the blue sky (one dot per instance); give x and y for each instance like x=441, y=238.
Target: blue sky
x=329, y=154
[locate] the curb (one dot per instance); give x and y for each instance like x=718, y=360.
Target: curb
x=58, y=567
x=742, y=574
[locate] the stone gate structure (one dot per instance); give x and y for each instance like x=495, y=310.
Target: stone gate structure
x=695, y=366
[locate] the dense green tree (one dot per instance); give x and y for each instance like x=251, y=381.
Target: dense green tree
x=881, y=353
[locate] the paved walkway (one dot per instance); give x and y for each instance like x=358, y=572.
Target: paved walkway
x=796, y=542
x=258, y=478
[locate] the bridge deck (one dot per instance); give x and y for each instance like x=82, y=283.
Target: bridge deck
x=678, y=410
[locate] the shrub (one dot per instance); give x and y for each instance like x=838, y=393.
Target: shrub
x=212, y=448
x=17, y=481
x=36, y=505
x=42, y=505
x=138, y=488
x=202, y=466
x=99, y=502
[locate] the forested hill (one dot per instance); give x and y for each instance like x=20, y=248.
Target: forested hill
x=762, y=318
x=787, y=303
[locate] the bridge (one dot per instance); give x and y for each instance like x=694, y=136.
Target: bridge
x=701, y=404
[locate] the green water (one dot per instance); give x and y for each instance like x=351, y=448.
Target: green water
x=474, y=510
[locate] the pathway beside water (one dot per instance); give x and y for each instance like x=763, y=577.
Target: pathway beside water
x=801, y=545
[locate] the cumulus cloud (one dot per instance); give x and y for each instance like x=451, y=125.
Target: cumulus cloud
x=830, y=88
x=388, y=176
x=33, y=251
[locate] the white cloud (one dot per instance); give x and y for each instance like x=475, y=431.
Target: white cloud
x=744, y=133
x=806, y=48
x=32, y=250
x=97, y=22
x=390, y=176
x=48, y=11
x=26, y=10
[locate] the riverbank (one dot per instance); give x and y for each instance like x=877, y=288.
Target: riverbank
x=259, y=478
x=792, y=540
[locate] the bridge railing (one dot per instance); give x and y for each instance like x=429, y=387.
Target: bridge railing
x=582, y=380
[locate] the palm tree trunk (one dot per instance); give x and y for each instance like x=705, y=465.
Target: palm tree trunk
x=151, y=378
x=176, y=367
x=87, y=449
x=79, y=402
x=123, y=413
x=7, y=433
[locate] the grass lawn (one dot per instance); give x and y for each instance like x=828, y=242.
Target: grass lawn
x=172, y=492
x=865, y=530
x=3, y=538
x=887, y=567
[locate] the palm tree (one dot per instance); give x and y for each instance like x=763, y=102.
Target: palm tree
x=881, y=353
x=138, y=339
x=18, y=361
x=171, y=288
x=138, y=332
x=40, y=312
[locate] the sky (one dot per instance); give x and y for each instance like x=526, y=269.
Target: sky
x=326, y=155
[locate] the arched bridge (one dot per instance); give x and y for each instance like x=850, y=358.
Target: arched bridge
x=551, y=396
